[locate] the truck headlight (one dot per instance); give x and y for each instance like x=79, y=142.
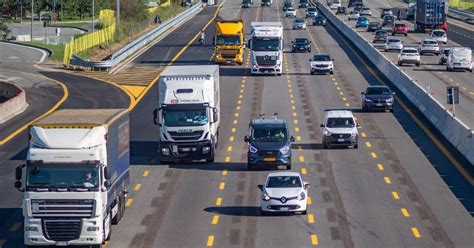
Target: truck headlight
x=253, y=149
x=301, y=196
x=206, y=149
x=92, y=229
x=31, y=229
x=165, y=151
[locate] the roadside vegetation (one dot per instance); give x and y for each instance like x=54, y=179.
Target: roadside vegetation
x=4, y=30
x=58, y=50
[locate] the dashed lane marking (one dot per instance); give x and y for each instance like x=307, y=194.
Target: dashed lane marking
x=146, y=173
x=380, y=167
x=405, y=212
x=219, y=201
x=298, y=138
x=210, y=241
x=231, y=138
x=227, y=159
x=373, y=155
x=309, y=200
x=224, y=172
x=395, y=195
x=415, y=232
x=301, y=159
x=138, y=186
x=229, y=148
x=221, y=186
x=368, y=144
x=310, y=218
x=303, y=171
x=215, y=219
x=129, y=202
x=363, y=135
x=387, y=180
x=314, y=239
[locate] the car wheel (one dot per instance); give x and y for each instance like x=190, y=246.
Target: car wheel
x=311, y=72
x=405, y=34
x=356, y=146
x=304, y=212
x=309, y=50
x=288, y=167
x=331, y=72
x=399, y=63
x=250, y=167
x=418, y=64
x=264, y=213
x=391, y=110
x=325, y=146
x=447, y=68
x=421, y=53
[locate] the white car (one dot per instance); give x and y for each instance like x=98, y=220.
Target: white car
x=321, y=63
x=335, y=5
x=366, y=11
x=283, y=192
x=409, y=55
x=311, y=12
x=439, y=35
x=429, y=46
x=340, y=129
x=290, y=12
x=299, y=23
x=393, y=43
x=459, y=58
x=353, y=15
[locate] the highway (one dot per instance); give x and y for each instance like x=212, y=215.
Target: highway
x=386, y=193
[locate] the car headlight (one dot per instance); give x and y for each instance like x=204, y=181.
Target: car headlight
x=253, y=149
x=327, y=133
x=354, y=133
x=301, y=196
x=367, y=99
x=266, y=197
x=285, y=149
x=389, y=100
x=31, y=229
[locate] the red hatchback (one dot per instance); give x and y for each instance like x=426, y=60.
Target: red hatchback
x=400, y=28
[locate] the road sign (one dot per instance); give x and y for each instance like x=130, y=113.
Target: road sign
x=453, y=94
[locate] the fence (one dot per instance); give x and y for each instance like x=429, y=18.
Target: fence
x=153, y=10
x=88, y=41
x=460, y=4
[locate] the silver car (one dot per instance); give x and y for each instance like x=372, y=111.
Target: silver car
x=366, y=11
x=299, y=23
x=429, y=46
x=393, y=43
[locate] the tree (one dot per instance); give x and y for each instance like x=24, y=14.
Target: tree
x=4, y=30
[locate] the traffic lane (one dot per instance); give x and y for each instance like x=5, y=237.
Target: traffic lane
x=461, y=35
x=14, y=53
x=39, y=31
x=420, y=188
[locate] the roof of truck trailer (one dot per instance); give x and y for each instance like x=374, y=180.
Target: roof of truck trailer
x=266, y=24
x=189, y=70
x=78, y=117
x=229, y=27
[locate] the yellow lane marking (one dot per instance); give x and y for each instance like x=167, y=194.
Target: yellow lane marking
x=295, y=114
x=309, y=200
x=363, y=135
x=293, y=107
x=373, y=155
x=341, y=93
x=236, y=114
x=235, y=122
x=310, y=218
x=303, y=171
x=292, y=101
x=15, y=226
x=295, y=121
x=344, y=99
x=240, y=96
x=405, y=212
x=297, y=129
x=387, y=180
x=229, y=148
x=380, y=167
x=233, y=130
x=231, y=138
x=221, y=185
x=239, y=102
x=301, y=159
x=137, y=187
x=215, y=219
x=395, y=195
x=298, y=138
x=224, y=172
x=300, y=148
x=227, y=159
x=146, y=173
x=314, y=239
x=129, y=202
x=338, y=88
x=218, y=201
x=291, y=96
x=415, y=232
x=237, y=108
x=210, y=241
x=368, y=144
x=134, y=90
x=348, y=104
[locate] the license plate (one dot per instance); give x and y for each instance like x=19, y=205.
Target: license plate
x=269, y=159
x=284, y=209
x=340, y=140
x=379, y=105
x=185, y=149
x=61, y=243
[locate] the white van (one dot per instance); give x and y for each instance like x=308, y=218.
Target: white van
x=459, y=58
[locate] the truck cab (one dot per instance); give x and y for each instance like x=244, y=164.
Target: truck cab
x=266, y=47
x=269, y=143
x=229, y=41
x=188, y=113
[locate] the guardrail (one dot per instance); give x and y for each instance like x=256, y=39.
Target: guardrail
x=459, y=14
x=456, y=132
x=134, y=46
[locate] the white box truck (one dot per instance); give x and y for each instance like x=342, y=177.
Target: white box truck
x=76, y=172
x=266, y=47
x=188, y=113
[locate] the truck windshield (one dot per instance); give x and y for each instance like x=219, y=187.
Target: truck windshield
x=266, y=44
x=180, y=118
x=62, y=176
x=269, y=134
x=228, y=40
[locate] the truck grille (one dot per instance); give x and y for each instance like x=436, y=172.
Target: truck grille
x=186, y=136
x=228, y=56
x=266, y=60
x=62, y=208
x=62, y=230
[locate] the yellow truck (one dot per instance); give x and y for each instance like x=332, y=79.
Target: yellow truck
x=229, y=42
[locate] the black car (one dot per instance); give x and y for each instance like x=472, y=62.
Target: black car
x=380, y=36
x=377, y=98
x=341, y=10
x=374, y=26
x=269, y=143
x=388, y=20
x=301, y=44
x=319, y=20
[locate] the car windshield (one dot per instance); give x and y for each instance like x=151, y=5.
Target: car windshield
x=228, y=40
x=319, y=18
x=340, y=122
x=301, y=41
x=377, y=91
x=290, y=9
x=269, y=134
x=446, y=52
x=365, y=8
x=322, y=58
x=265, y=44
x=438, y=33
x=354, y=12
x=181, y=118
x=381, y=32
x=399, y=25
x=284, y=182
x=63, y=176
x=373, y=23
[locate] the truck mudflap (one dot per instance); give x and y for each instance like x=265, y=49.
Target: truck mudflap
x=183, y=151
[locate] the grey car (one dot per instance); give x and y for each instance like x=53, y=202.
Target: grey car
x=377, y=98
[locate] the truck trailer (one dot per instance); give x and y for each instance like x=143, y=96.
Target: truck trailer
x=229, y=42
x=430, y=14
x=266, y=47
x=188, y=113
x=76, y=171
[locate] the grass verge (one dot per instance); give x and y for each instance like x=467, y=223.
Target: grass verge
x=58, y=50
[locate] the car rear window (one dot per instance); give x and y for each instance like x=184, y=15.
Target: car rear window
x=393, y=41
x=400, y=25
x=438, y=33
x=431, y=42
x=362, y=18
x=284, y=182
x=410, y=51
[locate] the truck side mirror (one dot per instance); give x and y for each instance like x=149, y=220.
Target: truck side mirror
x=157, y=117
x=322, y=125
x=18, y=185
x=215, y=117
x=107, y=184
x=249, y=43
x=107, y=173
x=18, y=172
x=246, y=138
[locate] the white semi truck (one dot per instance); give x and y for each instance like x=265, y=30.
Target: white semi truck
x=266, y=47
x=189, y=113
x=77, y=169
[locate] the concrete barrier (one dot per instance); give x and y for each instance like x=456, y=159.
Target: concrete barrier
x=456, y=132
x=12, y=101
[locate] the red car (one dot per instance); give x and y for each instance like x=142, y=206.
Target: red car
x=400, y=28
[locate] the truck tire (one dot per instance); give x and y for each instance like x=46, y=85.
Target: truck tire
x=110, y=231
x=120, y=210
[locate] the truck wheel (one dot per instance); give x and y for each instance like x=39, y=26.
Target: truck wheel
x=120, y=210
x=110, y=231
